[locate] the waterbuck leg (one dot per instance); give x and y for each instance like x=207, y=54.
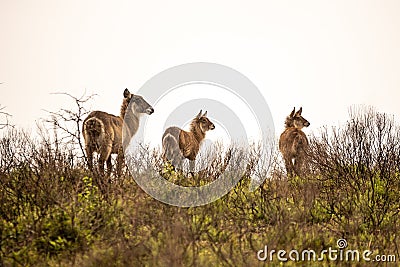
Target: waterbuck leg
x=120, y=160
x=101, y=166
x=192, y=165
x=289, y=167
x=105, y=156
x=109, y=166
x=89, y=153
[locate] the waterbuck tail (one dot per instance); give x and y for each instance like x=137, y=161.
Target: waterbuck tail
x=93, y=128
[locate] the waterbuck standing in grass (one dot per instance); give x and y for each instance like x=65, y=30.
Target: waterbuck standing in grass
x=103, y=132
x=178, y=144
x=293, y=142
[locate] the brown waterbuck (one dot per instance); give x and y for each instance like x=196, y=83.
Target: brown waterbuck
x=293, y=142
x=103, y=132
x=178, y=144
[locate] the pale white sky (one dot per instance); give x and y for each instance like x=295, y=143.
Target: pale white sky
x=322, y=55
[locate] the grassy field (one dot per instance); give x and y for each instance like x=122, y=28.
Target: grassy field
x=55, y=212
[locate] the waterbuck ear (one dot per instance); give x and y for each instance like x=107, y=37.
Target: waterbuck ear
x=292, y=113
x=126, y=93
x=299, y=111
x=199, y=115
x=205, y=114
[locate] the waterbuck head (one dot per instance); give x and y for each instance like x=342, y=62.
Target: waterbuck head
x=296, y=120
x=139, y=105
x=204, y=123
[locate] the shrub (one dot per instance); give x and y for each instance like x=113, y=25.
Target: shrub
x=55, y=212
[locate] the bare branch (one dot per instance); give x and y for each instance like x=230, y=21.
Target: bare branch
x=6, y=116
x=67, y=121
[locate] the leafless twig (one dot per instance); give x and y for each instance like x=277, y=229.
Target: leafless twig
x=69, y=121
x=6, y=116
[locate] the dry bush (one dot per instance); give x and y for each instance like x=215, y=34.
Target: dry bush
x=357, y=170
x=67, y=124
x=55, y=212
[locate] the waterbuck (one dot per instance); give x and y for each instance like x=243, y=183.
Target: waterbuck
x=103, y=132
x=178, y=144
x=293, y=142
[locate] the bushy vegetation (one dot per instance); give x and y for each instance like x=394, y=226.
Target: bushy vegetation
x=55, y=212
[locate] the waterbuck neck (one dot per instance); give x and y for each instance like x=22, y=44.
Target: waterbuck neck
x=288, y=122
x=132, y=118
x=124, y=107
x=197, y=132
